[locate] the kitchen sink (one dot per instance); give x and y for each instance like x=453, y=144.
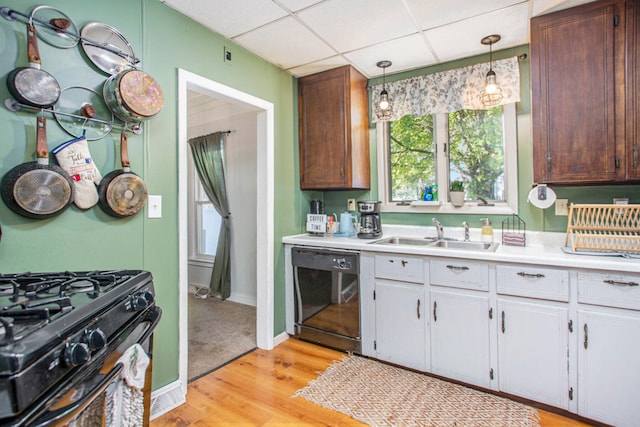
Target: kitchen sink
x=438, y=243
x=465, y=245
x=412, y=241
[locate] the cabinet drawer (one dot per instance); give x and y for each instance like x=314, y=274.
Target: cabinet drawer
x=399, y=267
x=609, y=289
x=533, y=281
x=459, y=273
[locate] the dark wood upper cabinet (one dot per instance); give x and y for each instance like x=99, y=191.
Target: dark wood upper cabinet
x=584, y=83
x=334, y=130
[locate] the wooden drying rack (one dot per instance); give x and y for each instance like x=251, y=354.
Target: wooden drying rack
x=604, y=227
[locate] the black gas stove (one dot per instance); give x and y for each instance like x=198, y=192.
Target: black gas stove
x=58, y=329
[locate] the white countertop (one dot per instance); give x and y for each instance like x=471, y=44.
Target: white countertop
x=542, y=248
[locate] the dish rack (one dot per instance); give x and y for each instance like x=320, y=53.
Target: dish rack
x=604, y=228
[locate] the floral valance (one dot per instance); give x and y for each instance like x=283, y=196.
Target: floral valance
x=449, y=91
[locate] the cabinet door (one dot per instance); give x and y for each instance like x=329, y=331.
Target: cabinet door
x=608, y=369
x=333, y=130
x=633, y=91
x=532, y=351
x=400, y=324
x=460, y=337
x=578, y=109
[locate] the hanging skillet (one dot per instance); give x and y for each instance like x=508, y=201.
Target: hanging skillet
x=122, y=192
x=37, y=189
x=31, y=85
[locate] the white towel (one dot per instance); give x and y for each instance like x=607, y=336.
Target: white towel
x=125, y=400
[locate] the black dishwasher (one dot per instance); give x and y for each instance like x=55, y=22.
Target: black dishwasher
x=326, y=288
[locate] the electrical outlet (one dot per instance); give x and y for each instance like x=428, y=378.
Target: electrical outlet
x=562, y=207
x=227, y=54
x=351, y=205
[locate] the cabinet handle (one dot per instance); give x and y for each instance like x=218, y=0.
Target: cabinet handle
x=404, y=262
x=570, y=393
x=418, y=309
x=435, y=308
x=616, y=283
x=491, y=313
x=523, y=274
x=503, y=321
x=635, y=156
x=570, y=325
x=586, y=336
x=457, y=267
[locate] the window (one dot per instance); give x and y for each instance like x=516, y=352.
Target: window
x=475, y=146
x=207, y=223
x=204, y=220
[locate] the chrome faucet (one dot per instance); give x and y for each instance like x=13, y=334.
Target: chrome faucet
x=438, y=228
x=466, y=231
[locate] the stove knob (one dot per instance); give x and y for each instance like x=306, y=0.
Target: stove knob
x=95, y=339
x=139, y=302
x=76, y=353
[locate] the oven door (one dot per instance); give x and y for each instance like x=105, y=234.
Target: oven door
x=79, y=400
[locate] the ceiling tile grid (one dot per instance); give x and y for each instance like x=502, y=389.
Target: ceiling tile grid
x=309, y=36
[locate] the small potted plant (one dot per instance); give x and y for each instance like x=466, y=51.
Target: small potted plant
x=456, y=193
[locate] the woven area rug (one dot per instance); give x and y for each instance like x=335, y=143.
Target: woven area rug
x=381, y=395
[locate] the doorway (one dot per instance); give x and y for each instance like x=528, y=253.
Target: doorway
x=257, y=118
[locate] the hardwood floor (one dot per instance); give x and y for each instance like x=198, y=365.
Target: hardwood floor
x=256, y=390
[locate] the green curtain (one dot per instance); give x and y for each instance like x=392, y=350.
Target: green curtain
x=208, y=156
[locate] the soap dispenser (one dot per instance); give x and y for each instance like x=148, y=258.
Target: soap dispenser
x=487, y=231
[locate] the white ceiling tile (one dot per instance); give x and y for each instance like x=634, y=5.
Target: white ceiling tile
x=434, y=13
x=285, y=43
x=229, y=18
x=462, y=39
x=316, y=67
x=405, y=53
x=541, y=7
x=353, y=24
x=296, y=5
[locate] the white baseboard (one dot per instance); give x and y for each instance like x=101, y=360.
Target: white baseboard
x=167, y=398
x=279, y=339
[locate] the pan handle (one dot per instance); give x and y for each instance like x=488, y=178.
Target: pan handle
x=124, y=152
x=32, y=46
x=42, y=152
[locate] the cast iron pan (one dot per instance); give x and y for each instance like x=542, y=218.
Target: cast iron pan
x=122, y=192
x=37, y=190
x=31, y=85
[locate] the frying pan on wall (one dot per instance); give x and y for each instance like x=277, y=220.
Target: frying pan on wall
x=31, y=85
x=122, y=192
x=37, y=190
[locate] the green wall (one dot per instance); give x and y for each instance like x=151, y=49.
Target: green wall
x=536, y=219
x=84, y=240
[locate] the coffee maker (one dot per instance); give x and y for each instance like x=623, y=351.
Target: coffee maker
x=370, y=226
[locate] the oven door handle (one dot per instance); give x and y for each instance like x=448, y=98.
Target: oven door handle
x=153, y=316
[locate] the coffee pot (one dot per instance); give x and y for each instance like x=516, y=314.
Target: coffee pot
x=370, y=225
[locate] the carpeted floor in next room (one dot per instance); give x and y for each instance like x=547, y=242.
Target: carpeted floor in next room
x=219, y=331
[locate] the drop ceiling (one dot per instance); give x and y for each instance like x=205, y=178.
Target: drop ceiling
x=308, y=36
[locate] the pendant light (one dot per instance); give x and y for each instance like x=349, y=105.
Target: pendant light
x=384, y=109
x=491, y=94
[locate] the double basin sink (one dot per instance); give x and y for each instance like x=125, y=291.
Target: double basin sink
x=467, y=245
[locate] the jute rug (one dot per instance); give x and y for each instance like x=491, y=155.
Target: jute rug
x=381, y=395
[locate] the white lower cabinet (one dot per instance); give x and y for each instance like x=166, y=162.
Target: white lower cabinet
x=400, y=324
x=533, y=351
x=460, y=336
x=608, y=368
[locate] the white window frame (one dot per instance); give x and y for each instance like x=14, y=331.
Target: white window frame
x=196, y=199
x=470, y=207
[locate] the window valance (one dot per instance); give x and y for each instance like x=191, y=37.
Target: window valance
x=449, y=91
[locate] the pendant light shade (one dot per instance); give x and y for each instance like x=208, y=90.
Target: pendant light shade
x=384, y=108
x=491, y=94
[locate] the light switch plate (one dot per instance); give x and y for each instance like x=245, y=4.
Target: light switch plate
x=351, y=205
x=562, y=207
x=154, y=206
